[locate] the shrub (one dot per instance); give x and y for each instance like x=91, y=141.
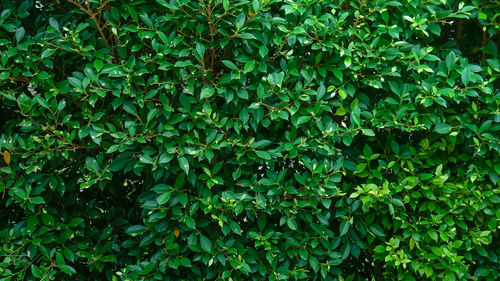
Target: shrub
x=249, y=140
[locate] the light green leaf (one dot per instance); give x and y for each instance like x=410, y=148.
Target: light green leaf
x=466, y=75
x=249, y=66
x=368, y=132
x=432, y=234
x=303, y=119
x=347, y=62
x=206, y=92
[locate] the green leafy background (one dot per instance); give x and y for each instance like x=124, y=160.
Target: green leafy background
x=249, y=140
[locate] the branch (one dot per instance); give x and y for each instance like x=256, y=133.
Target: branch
x=88, y=11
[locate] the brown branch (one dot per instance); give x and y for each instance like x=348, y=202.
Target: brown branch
x=20, y=79
x=88, y=11
x=55, y=46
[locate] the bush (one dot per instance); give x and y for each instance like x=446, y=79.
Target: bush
x=249, y=140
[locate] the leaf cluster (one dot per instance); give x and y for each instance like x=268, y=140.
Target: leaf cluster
x=249, y=140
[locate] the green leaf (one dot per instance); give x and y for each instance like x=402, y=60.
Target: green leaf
x=350, y=165
x=435, y=28
x=67, y=269
x=163, y=198
x=183, y=198
x=356, y=116
x=20, y=34
x=303, y=119
x=368, y=132
x=206, y=244
x=442, y=128
x=249, y=66
x=242, y=93
x=344, y=227
x=248, y=36
x=263, y=154
x=395, y=147
x=132, y=13
x=338, y=74
x=450, y=61
x=347, y=62
x=200, y=49
x=255, y=5
x=432, y=234
x=466, y=75
x=292, y=224
x=185, y=262
x=135, y=230
x=367, y=151
x=4, y=75
x=240, y=21
x=313, y=261
x=230, y=64
x=53, y=23
x=347, y=139
x=377, y=230
x=184, y=164
x=91, y=164
x=244, y=116
x=450, y=276
x=37, y=200
x=161, y=188
x=130, y=108
x=190, y=222
x=263, y=51
x=206, y=92
x=98, y=64
x=397, y=202
x=166, y=4
x=108, y=258
x=75, y=82
x=48, y=219
x=394, y=87
x=320, y=92
x=37, y=273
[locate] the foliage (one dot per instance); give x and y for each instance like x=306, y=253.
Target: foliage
x=249, y=140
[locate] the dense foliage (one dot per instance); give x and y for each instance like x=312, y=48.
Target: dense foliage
x=249, y=140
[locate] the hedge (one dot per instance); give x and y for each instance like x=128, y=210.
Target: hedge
x=249, y=140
